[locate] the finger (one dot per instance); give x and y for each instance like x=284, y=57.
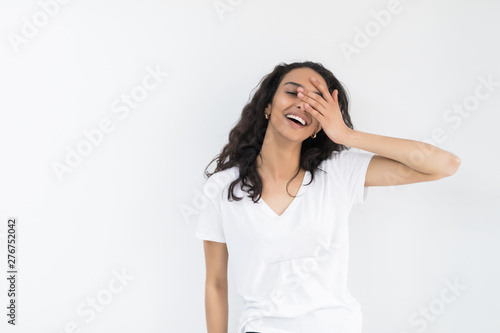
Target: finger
x=306, y=96
x=335, y=96
x=324, y=91
x=315, y=113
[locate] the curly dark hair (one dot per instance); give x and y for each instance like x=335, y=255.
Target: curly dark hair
x=246, y=138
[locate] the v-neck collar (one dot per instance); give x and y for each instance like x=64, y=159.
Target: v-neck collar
x=269, y=211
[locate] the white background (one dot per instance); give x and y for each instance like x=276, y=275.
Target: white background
x=123, y=207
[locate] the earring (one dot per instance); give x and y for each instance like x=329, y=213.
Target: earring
x=266, y=115
x=313, y=136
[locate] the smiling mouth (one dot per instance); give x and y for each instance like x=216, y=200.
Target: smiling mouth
x=297, y=120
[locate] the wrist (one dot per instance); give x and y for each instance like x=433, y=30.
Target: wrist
x=348, y=137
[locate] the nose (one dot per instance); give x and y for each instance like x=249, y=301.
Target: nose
x=301, y=105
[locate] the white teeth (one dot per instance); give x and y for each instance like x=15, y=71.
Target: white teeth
x=302, y=121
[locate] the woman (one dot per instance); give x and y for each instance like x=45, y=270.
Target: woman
x=279, y=199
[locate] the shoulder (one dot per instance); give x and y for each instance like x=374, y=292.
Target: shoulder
x=348, y=156
x=217, y=184
x=347, y=161
x=340, y=156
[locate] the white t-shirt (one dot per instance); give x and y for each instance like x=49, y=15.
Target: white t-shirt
x=290, y=270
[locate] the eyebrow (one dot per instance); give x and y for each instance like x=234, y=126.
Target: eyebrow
x=299, y=85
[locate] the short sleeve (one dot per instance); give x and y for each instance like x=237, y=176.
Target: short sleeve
x=352, y=166
x=209, y=225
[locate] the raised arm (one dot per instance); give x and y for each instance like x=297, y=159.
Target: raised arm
x=401, y=161
x=396, y=161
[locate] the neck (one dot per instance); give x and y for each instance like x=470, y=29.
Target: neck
x=279, y=158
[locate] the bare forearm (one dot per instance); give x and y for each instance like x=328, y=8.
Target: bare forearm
x=216, y=309
x=417, y=155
